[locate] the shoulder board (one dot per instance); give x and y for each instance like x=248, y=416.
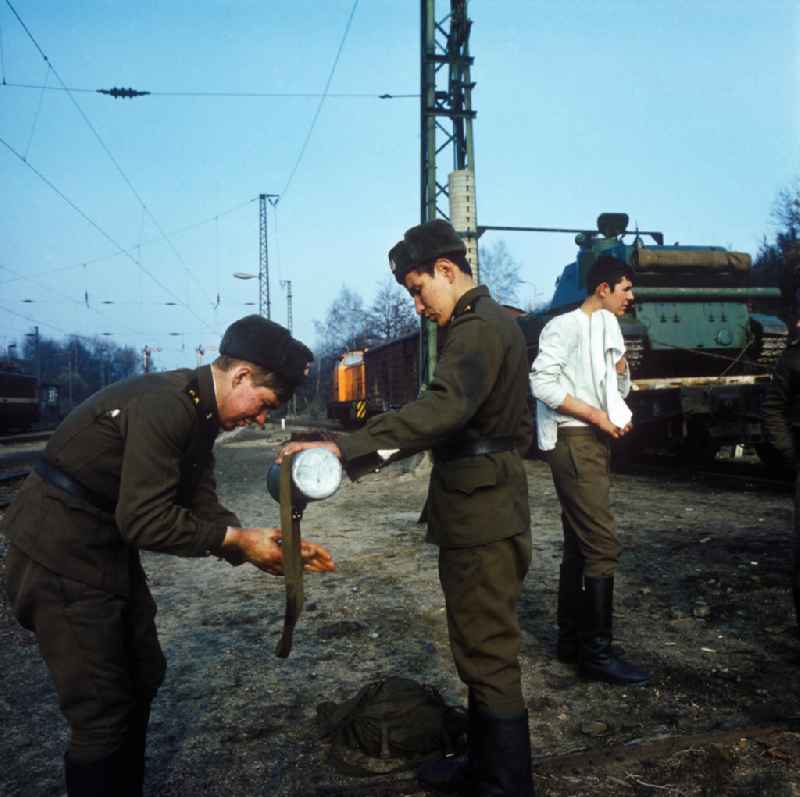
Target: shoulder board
x=192, y=390
x=467, y=309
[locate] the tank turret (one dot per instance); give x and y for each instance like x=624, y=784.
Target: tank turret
x=692, y=312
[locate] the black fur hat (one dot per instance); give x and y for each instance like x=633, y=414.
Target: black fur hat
x=436, y=238
x=399, y=261
x=265, y=343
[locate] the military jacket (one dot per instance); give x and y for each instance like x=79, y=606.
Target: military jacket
x=145, y=446
x=479, y=390
x=782, y=405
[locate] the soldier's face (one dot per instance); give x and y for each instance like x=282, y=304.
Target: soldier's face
x=617, y=299
x=246, y=404
x=434, y=296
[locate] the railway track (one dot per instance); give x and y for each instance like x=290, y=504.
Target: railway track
x=722, y=474
x=26, y=437
x=10, y=480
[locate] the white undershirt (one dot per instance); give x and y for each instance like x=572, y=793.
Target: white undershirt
x=564, y=366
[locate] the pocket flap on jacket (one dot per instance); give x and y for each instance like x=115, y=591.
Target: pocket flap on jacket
x=469, y=475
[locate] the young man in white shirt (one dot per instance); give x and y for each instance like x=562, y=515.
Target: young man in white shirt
x=579, y=379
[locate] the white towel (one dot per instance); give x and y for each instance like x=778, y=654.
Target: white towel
x=606, y=347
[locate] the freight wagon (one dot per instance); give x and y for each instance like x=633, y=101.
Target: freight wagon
x=371, y=381
x=19, y=400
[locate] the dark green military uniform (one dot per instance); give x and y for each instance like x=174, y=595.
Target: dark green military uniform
x=477, y=506
x=138, y=463
x=132, y=467
x=782, y=430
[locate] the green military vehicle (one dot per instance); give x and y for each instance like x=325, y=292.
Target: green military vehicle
x=700, y=358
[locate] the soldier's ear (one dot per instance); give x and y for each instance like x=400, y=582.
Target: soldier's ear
x=446, y=268
x=240, y=373
x=603, y=289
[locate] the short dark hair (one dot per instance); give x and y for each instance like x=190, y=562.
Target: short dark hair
x=456, y=258
x=260, y=378
x=608, y=269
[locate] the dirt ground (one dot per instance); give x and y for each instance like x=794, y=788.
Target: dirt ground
x=702, y=601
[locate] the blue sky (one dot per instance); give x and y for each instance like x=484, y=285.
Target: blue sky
x=682, y=114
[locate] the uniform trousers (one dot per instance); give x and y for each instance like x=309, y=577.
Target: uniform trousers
x=580, y=463
x=101, y=649
x=796, y=540
x=482, y=586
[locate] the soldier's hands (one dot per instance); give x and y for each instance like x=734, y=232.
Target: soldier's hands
x=603, y=422
x=316, y=559
x=294, y=447
x=262, y=548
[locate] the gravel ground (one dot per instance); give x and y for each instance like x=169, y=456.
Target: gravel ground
x=702, y=600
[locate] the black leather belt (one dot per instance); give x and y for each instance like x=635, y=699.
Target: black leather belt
x=474, y=448
x=68, y=485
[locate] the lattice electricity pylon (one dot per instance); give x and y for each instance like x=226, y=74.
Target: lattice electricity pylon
x=264, y=306
x=445, y=94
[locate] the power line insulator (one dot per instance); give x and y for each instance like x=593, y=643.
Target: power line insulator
x=128, y=93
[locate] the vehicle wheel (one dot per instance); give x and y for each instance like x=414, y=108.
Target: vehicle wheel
x=770, y=458
x=698, y=449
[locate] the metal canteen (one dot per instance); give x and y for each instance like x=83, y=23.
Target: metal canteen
x=316, y=475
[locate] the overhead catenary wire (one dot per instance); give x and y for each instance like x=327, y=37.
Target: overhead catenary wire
x=36, y=115
x=360, y=95
x=67, y=299
x=49, y=324
x=108, y=152
x=99, y=229
x=89, y=338
x=2, y=57
x=139, y=245
x=322, y=100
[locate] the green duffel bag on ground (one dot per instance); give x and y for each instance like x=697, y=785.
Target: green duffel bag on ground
x=391, y=718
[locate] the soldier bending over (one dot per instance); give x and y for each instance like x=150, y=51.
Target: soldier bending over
x=132, y=467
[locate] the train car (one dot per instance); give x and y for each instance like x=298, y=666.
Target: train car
x=19, y=400
x=371, y=381
x=700, y=358
x=347, y=404
x=392, y=374
x=383, y=377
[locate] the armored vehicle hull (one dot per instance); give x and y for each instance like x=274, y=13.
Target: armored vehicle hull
x=699, y=357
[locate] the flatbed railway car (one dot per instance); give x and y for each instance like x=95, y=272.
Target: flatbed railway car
x=19, y=400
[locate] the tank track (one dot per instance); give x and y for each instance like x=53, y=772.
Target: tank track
x=771, y=348
x=635, y=351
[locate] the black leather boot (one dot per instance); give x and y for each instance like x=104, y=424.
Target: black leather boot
x=454, y=774
x=796, y=594
x=104, y=778
x=503, y=766
x=569, y=604
x=134, y=749
x=596, y=661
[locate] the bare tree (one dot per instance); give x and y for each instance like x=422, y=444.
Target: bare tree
x=392, y=312
x=778, y=261
x=345, y=325
x=77, y=365
x=500, y=272
x=786, y=212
